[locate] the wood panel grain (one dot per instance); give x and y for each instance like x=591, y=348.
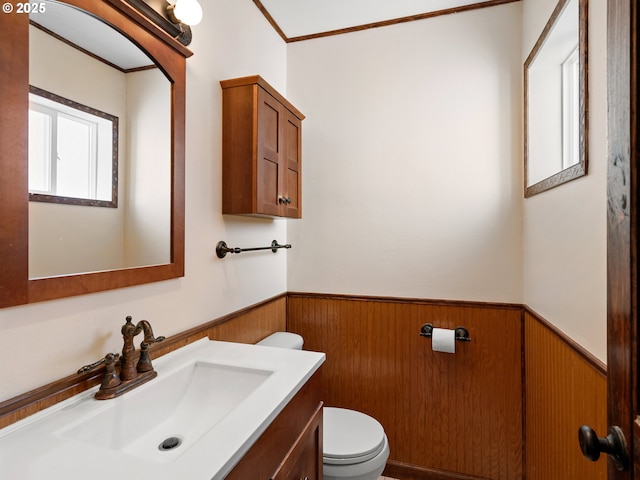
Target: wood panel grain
x=623, y=149
x=14, y=121
x=458, y=415
x=563, y=392
x=248, y=325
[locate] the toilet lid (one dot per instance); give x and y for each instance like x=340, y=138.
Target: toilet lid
x=350, y=436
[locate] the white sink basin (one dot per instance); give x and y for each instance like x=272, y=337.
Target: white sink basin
x=182, y=406
x=214, y=399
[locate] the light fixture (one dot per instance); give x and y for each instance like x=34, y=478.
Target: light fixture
x=174, y=16
x=187, y=12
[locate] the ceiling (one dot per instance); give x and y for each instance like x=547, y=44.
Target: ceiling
x=302, y=19
x=294, y=20
x=91, y=35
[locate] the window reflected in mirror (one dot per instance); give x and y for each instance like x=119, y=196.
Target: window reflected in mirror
x=555, y=100
x=73, y=152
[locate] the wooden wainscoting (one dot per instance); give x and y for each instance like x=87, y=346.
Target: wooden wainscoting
x=565, y=388
x=248, y=325
x=453, y=417
x=447, y=416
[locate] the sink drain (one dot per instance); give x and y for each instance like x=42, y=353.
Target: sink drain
x=170, y=443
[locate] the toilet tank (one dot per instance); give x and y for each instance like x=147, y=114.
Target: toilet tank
x=292, y=341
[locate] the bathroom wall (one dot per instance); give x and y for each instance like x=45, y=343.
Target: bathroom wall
x=565, y=388
x=411, y=148
x=446, y=416
x=565, y=284
x=564, y=238
x=413, y=169
x=564, y=229
x=413, y=187
x=43, y=342
x=147, y=199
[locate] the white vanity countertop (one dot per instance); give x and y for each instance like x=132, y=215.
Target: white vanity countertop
x=37, y=447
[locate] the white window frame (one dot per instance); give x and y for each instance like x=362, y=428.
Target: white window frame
x=571, y=110
x=56, y=107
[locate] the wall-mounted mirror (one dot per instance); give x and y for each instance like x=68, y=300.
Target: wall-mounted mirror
x=119, y=218
x=555, y=103
x=69, y=232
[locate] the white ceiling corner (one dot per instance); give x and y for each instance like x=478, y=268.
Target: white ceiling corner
x=298, y=18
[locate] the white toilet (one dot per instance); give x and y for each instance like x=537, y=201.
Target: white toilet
x=355, y=446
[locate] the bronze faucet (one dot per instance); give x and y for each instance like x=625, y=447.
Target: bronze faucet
x=128, y=369
x=130, y=374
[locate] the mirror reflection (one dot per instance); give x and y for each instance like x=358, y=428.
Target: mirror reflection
x=73, y=152
x=77, y=58
x=554, y=103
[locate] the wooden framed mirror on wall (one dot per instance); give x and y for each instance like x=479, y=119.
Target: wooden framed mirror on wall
x=42, y=244
x=556, y=101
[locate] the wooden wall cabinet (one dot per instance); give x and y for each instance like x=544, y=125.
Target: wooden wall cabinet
x=261, y=150
x=291, y=447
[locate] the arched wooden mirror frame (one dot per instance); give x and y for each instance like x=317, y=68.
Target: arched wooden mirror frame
x=15, y=286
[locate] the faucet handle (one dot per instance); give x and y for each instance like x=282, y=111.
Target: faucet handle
x=110, y=379
x=144, y=363
x=109, y=358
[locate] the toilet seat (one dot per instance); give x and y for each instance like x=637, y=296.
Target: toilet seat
x=350, y=437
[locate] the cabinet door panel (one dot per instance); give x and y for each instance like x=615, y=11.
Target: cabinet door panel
x=304, y=460
x=293, y=162
x=269, y=154
x=268, y=187
x=269, y=119
x=293, y=181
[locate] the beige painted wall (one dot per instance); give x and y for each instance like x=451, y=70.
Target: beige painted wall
x=43, y=342
x=565, y=228
x=412, y=179
x=147, y=222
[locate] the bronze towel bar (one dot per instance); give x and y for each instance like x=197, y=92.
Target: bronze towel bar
x=222, y=249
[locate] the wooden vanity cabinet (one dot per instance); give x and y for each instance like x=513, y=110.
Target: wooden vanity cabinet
x=291, y=447
x=261, y=150
x=304, y=459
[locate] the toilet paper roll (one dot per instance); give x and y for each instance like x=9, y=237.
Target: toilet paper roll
x=443, y=340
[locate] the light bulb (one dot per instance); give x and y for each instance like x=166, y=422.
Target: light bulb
x=188, y=11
